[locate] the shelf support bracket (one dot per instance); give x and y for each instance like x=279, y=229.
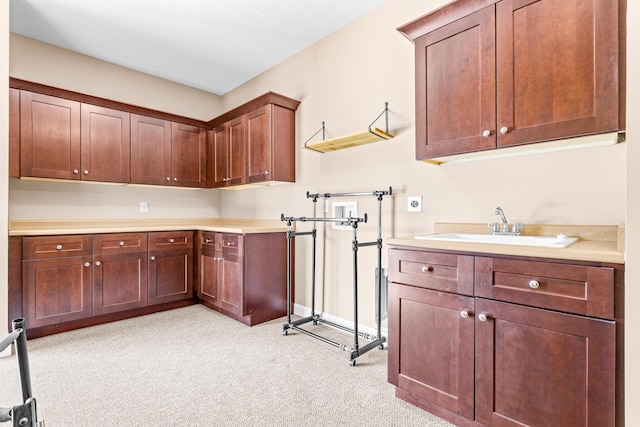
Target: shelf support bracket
x=322, y=129
x=386, y=118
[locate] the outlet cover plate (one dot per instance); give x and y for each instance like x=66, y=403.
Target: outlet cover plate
x=414, y=204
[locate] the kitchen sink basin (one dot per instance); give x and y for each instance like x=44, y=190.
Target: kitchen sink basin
x=560, y=241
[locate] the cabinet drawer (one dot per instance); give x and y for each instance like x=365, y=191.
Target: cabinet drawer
x=433, y=270
x=43, y=247
x=570, y=288
x=231, y=243
x=106, y=244
x=170, y=240
x=209, y=239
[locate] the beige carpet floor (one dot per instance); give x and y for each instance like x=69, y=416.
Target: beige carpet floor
x=196, y=367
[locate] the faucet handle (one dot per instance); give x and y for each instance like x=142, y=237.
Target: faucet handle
x=494, y=226
x=517, y=227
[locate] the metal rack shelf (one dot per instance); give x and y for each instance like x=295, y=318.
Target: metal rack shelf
x=378, y=340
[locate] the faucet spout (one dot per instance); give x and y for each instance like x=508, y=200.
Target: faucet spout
x=505, y=223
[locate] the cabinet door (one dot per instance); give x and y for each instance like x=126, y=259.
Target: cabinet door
x=170, y=275
x=49, y=136
x=557, y=69
x=150, y=150
x=534, y=366
x=231, y=290
x=105, y=144
x=431, y=346
x=188, y=155
x=455, y=87
x=237, y=140
x=220, y=152
x=119, y=282
x=14, y=132
x=56, y=290
x=210, y=277
x=259, y=138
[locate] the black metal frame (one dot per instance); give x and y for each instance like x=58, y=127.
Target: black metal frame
x=378, y=340
x=24, y=415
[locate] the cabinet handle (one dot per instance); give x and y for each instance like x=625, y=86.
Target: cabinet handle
x=266, y=172
x=97, y=262
x=464, y=314
x=168, y=178
x=175, y=179
x=86, y=172
x=207, y=240
x=75, y=171
x=171, y=240
x=87, y=264
x=486, y=133
x=426, y=269
x=534, y=284
x=153, y=258
x=483, y=317
x=504, y=130
x=121, y=243
x=59, y=247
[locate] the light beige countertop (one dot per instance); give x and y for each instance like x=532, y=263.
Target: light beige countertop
x=42, y=227
x=599, y=243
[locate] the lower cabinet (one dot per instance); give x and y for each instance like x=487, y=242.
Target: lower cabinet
x=243, y=276
x=500, y=356
x=72, y=281
x=170, y=266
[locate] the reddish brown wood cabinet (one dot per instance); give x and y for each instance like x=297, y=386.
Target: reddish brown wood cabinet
x=243, y=276
x=170, y=266
x=150, y=150
x=119, y=272
x=57, y=274
x=493, y=74
x=188, y=155
x=228, y=153
x=14, y=133
x=532, y=340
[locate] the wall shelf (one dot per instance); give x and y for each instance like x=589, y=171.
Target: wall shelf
x=373, y=134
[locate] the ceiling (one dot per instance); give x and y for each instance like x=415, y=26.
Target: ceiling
x=213, y=45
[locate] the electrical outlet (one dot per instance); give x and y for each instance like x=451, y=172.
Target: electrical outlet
x=414, y=204
x=144, y=207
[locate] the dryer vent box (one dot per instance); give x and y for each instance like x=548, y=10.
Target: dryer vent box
x=344, y=210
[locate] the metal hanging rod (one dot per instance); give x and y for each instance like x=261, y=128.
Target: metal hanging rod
x=360, y=194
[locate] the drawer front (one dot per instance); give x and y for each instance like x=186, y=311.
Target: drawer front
x=209, y=239
x=162, y=240
x=432, y=270
x=107, y=244
x=570, y=288
x=231, y=243
x=45, y=247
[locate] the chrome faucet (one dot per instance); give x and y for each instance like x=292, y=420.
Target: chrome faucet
x=505, y=223
x=495, y=226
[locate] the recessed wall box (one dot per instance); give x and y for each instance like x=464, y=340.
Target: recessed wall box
x=344, y=210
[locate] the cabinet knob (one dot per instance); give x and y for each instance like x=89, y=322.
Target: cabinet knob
x=153, y=258
x=207, y=240
x=75, y=171
x=59, y=247
x=171, y=240
x=534, y=284
x=168, y=178
x=504, y=130
x=464, y=314
x=87, y=264
x=224, y=179
x=175, y=179
x=266, y=172
x=426, y=269
x=97, y=262
x=86, y=172
x=121, y=243
x=483, y=317
x=486, y=133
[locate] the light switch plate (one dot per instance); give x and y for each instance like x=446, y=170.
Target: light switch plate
x=144, y=207
x=414, y=204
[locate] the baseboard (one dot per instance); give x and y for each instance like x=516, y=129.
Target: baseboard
x=304, y=311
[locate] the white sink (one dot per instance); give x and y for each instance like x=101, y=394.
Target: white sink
x=560, y=241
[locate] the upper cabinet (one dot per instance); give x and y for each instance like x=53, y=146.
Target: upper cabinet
x=14, y=132
x=255, y=142
x=188, y=155
x=516, y=72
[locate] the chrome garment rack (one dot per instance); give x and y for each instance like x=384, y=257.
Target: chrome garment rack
x=378, y=340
